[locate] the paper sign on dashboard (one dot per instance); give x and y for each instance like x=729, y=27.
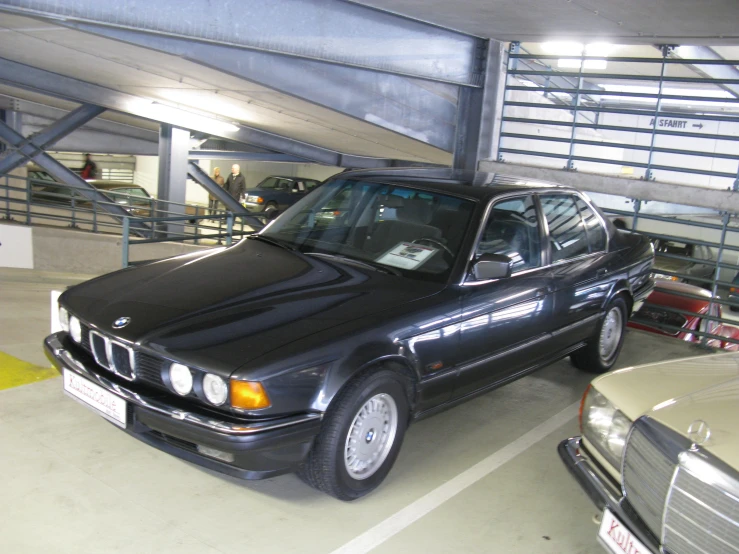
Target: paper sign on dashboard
x=407, y=255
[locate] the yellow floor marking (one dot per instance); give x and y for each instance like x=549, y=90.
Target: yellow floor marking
x=15, y=372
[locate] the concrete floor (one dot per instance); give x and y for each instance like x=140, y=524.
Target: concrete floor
x=465, y=480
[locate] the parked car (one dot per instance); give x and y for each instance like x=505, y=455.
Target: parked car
x=311, y=345
x=668, y=311
x=670, y=262
x=45, y=189
x=659, y=455
x=734, y=293
x=274, y=194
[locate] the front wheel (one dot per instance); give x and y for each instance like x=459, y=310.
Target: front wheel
x=360, y=437
x=602, y=350
x=271, y=211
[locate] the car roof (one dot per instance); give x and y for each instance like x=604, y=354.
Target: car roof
x=293, y=178
x=105, y=184
x=475, y=184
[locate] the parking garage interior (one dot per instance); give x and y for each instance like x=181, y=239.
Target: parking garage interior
x=634, y=104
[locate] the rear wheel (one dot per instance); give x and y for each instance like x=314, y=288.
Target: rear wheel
x=602, y=350
x=360, y=437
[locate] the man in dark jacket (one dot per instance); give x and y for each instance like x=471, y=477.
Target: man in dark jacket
x=90, y=169
x=235, y=184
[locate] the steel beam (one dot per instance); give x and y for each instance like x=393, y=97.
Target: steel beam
x=715, y=71
x=99, y=142
x=410, y=107
x=174, y=144
x=68, y=177
x=247, y=156
x=54, y=132
x=46, y=82
x=477, y=110
x=332, y=31
x=631, y=188
x=41, y=112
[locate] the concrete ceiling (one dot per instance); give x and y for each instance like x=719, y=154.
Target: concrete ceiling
x=172, y=81
x=697, y=22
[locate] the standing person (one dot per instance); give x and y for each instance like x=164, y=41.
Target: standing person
x=212, y=200
x=90, y=169
x=236, y=183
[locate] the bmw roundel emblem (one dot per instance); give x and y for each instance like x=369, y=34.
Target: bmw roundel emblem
x=121, y=322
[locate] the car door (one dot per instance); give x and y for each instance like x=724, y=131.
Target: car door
x=505, y=322
x=577, y=241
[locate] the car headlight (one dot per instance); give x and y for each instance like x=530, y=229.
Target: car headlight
x=75, y=329
x=215, y=389
x=64, y=319
x=604, y=426
x=180, y=377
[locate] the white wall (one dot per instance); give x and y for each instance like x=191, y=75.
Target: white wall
x=555, y=131
x=623, y=157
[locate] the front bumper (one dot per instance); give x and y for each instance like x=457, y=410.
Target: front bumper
x=602, y=490
x=253, y=207
x=260, y=449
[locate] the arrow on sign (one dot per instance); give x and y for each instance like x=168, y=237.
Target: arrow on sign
x=699, y=125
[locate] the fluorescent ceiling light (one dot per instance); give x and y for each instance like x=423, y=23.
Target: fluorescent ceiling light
x=563, y=48
x=182, y=118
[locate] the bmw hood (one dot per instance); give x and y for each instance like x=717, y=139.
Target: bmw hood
x=226, y=306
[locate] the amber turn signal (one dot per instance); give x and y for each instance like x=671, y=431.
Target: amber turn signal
x=260, y=200
x=249, y=395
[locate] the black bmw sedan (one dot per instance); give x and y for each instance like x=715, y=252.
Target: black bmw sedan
x=380, y=298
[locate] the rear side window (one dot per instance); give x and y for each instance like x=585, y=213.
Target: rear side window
x=593, y=227
x=567, y=236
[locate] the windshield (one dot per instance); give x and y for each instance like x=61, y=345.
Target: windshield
x=413, y=232
x=268, y=183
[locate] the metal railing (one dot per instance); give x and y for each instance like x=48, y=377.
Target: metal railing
x=639, y=116
x=147, y=220
x=221, y=235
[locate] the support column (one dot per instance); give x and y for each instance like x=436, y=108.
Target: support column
x=478, y=110
x=174, y=148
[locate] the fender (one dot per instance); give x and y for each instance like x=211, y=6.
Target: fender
x=365, y=357
x=620, y=286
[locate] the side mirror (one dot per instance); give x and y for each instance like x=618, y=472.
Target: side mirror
x=492, y=266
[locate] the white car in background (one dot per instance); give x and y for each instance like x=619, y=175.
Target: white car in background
x=659, y=455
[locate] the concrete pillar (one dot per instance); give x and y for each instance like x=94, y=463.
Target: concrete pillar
x=174, y=147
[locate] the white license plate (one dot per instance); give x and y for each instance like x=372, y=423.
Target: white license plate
x=617, y=538
x=108, y=405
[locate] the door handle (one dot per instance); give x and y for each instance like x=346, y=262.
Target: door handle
x=602, y=272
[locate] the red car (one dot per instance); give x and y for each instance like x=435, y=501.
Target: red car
x=668, y=294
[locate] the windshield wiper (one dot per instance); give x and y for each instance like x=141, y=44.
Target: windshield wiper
x=370, y=265
x=276, y=242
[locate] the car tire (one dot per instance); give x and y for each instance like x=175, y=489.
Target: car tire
x=602, y=350
x=270, y=210
x=345, y=461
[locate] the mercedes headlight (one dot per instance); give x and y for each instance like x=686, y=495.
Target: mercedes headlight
x=64, y=319
x=604, y=426
x=75, y=329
